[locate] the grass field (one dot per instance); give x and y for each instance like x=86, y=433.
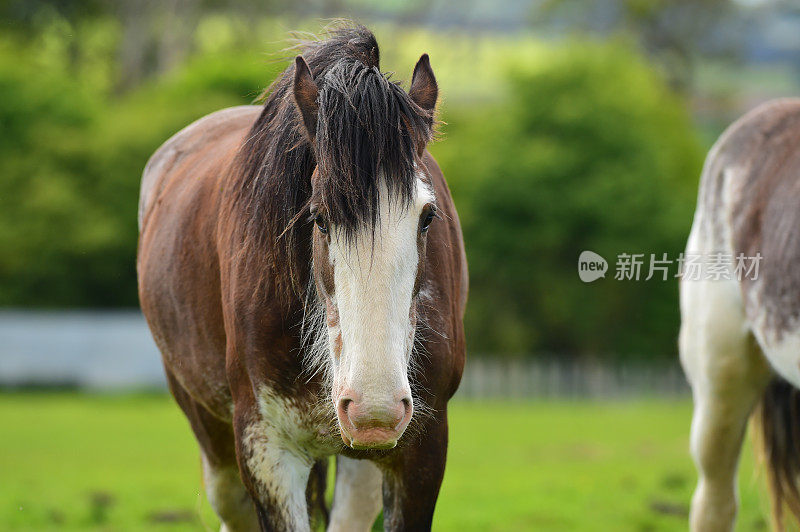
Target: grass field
x=77, y=462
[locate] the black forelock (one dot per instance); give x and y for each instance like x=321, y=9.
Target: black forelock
x=368, y=129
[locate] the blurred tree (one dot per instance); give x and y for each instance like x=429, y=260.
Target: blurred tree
x=70, y=162
x=675, y=32
x=578, y=146
x=591, y=152
x=156, y=37
x=678, y=31
x=22, y=14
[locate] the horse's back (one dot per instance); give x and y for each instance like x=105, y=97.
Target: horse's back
x=190, y=140
x=177, y=265
x=749, y=206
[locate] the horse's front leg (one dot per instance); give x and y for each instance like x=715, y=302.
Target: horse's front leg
x=276, y=475
x=412, y=479
x=357, y=497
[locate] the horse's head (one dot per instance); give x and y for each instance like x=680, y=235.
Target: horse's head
x=372, y=205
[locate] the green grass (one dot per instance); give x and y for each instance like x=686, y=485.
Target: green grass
x=75, y=462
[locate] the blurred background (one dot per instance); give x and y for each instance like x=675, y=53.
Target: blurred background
x=567, y=126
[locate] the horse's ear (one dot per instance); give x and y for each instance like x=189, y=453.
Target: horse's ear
x=305, y=95
x=424, y=90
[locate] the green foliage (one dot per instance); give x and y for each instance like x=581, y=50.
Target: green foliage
x=565, y=147
x=590, y=152
x=72, y=155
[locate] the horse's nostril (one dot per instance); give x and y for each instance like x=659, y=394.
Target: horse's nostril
x=344, y=404
x=408, y=403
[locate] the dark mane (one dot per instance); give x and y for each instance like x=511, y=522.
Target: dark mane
x=368, y=130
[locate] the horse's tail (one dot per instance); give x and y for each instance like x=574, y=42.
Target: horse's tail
x=778, y=444
x=315, y=492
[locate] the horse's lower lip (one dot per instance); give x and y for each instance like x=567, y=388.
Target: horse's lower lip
x=371, y=439
x=372, y=446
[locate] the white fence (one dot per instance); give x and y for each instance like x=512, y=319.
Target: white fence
x=93, y=350
x=101, y=350
x=490, y=377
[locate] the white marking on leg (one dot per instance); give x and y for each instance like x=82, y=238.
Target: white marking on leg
x=229, y=498
x=283, y=444
x=357, y=498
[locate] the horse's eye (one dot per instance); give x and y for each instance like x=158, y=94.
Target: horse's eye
x=321, y=224
x=426, y=222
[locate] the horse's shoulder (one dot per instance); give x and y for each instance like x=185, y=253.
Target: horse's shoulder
x=190, y=139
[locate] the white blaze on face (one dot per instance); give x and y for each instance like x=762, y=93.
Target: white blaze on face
x=374, y=283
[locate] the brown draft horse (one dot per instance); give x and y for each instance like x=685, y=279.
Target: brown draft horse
x=302, y=269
